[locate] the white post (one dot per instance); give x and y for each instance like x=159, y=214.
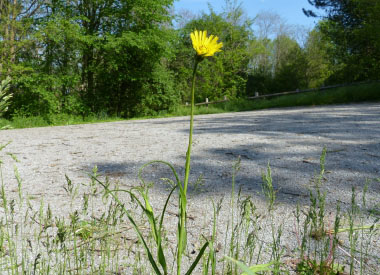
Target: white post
x=256, y=94
x=206, y=102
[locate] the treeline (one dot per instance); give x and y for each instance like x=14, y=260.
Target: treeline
x=134, y=57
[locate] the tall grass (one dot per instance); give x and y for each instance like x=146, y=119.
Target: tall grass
x=34, y=240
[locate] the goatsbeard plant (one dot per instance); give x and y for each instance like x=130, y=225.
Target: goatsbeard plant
x=205, y=47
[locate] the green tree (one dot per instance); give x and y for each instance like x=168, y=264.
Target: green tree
x=51, y=83
x=354, y=28
x=278, y=63
x=291, y=73
x=226, y=74
x=102, y=56
x=16, y=18
x=134, y=78
x=318, y=52
x=132, y=59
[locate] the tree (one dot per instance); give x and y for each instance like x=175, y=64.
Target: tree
x=51, y=84
x=16, y=18
x=268, y=24
x=132, y=57
x=95, y=57
x=277, y=60
x=226, y=73
x=318, y=50
x=291, y=73
x=354, y=28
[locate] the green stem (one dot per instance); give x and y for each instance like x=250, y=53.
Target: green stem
x=187, y=165
x=183, y=201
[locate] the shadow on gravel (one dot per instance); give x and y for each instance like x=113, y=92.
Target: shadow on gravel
x=292, y=179
x=351, y=158
x=343, y=126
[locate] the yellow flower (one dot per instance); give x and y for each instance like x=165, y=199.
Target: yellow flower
x=203, y=45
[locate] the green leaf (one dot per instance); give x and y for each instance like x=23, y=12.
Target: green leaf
x=200, y=254
x=253, y=269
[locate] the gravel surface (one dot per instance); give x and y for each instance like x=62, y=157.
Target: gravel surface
x=291, y=139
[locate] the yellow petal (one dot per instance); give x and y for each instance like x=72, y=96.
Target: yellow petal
x=204, y=37
x=192, y=36
x=210, y=39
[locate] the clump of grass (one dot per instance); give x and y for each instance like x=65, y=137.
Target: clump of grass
x=321, y=233
x=318, y=247
x=35, y=241
x=276, y=231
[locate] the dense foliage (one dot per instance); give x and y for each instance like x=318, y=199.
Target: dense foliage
x=83, y=56
x=126, y=58
x=353, y=28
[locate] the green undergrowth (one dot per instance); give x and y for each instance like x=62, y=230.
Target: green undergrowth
x=53, y=120
x=350, y=94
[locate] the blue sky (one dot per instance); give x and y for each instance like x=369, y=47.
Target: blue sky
x=290, y=10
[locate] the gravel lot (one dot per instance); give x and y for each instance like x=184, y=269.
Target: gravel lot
x=291, y=139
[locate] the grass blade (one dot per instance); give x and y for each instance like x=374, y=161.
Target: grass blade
x=164, y=209
x=159, y=161
x=250, y=270
x=200, y=254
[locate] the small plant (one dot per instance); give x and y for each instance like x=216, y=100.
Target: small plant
x=318, y=245
x=267, y=188
x=309, y=267
x=251, y=270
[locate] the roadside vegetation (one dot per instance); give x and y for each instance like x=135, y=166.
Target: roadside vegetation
x=350, y=94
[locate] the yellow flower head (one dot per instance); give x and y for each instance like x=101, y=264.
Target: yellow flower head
x=203, y=45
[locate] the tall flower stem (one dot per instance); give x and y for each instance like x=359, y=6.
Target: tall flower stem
x=204, y=46
x=182, y=234
x=187, y=165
